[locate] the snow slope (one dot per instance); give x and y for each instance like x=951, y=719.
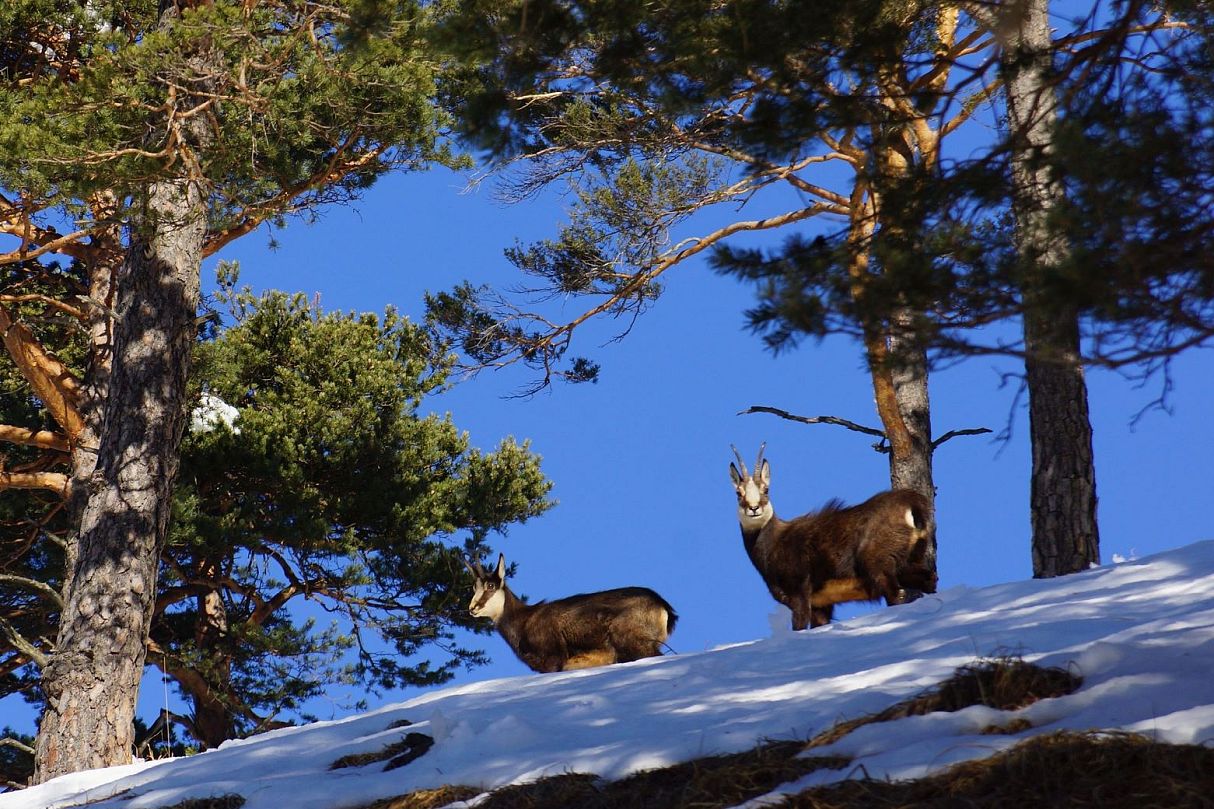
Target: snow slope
x=1140, y=633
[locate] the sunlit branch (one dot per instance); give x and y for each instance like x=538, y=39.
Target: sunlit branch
x=42, y=439
x=55, y=482
x=23, y=645
x=54, y=303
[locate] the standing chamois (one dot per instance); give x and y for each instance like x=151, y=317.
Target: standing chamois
x=858, y=553
x=578, y=632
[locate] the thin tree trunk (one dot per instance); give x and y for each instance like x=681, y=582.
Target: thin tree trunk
x=1063, y=490
x=92, y=681
x=1063, y=499
x=913, y=469
x=213, y=721
x=899, y=372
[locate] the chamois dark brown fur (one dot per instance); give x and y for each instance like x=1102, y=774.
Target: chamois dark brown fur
x=877, y=549
x=589, y=629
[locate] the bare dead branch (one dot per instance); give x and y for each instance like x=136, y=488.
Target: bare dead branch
x=851, y=425
x=11, y=742
x=784, y=414
x=955, y=433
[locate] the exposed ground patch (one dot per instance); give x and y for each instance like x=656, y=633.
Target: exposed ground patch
x=1073, y=770
x=717, y=781
x=427, y=798
x=397, y=754
x=1003, y=683
x=219, y=802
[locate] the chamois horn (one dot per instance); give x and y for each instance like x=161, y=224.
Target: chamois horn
x=741, y=463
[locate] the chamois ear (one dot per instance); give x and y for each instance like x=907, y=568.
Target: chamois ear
x=501, y=567
x=764, y=472
x=735, y=475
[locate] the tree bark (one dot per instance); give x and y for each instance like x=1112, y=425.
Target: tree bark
x=908, y=372
x=1063, y=490
x=913, y=468
x=898, y=368
x=92, y=681
x=103, y=269
x=213, y=720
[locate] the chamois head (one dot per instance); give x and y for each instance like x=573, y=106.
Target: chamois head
x=754, y=506
x=488, y=589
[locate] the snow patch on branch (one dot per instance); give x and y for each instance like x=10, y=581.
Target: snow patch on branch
x=211, y=412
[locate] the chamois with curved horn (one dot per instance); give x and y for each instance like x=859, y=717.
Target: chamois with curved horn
x=877, y=549
x=581, y=631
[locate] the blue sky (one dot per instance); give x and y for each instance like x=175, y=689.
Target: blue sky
x=640, y=459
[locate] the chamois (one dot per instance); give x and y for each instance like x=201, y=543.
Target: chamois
x=836, y=554
x=581, y=631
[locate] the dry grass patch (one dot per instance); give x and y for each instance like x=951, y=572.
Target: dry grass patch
x=219, y=802
x=1002, y=683
x=1074, y=770
x=427, y=798
x=716, y=781
x=397, y=754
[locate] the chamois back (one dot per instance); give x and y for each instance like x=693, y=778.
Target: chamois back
x=579, y=631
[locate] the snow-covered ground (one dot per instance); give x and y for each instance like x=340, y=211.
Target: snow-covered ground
x=1140, y=633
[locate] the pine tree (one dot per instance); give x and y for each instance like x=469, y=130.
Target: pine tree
x=307, y=473
x=185, y=126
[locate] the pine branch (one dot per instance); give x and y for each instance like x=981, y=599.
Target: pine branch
x=22, y=746
x=56, y=482
x=43, y=439
x=34, y=586
x=22, y=645
x=54, y=303
x=50, y=379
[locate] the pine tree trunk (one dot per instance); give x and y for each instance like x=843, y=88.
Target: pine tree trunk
x=1063, y=500
x=92, y=681
x=911, y=469
x=897, y=364
x=213, y=723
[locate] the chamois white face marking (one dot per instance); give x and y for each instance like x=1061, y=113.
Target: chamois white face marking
x=910, y=518
x=488, y=600
x=754, y=506
x=488, y=593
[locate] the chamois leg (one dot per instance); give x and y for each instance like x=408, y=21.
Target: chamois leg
x=919, y=579
x=891, y=591
x=802, y=610
x=821, y=616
